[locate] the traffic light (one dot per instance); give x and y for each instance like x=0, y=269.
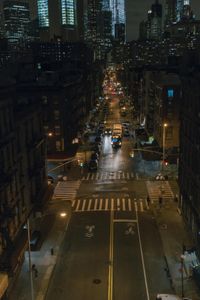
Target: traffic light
x=165, y=162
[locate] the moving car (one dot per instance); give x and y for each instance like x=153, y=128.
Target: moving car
x=107, y=130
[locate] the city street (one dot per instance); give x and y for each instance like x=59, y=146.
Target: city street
x=112, y=249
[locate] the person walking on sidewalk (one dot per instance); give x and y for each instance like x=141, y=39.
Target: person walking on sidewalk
x=35, y=270
x=160, y=201
x=148, y=200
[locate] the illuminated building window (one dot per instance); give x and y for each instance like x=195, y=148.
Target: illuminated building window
x=43, y=13
x=68, y=12
x=170, y=93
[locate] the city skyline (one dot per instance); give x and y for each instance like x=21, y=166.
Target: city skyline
x=136, y=11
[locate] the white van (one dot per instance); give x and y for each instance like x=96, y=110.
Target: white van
x=169, y=297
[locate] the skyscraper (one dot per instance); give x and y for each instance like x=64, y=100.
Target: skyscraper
x=156, y=20
x=16, y=20
x=58, y=18
x=98, y=27
x=170, y=12
x=118, y=13
x=68, y=12
x=183, y=10
x=43, y=13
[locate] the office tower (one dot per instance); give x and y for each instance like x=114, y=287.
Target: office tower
x=118, y=13
x=98, y=28
x=68, y=12
x=106, y=4
x=58, y=19
x=187, y=11
x=43, y=13
x=16, y=21
x=156, y=20
x=170, y=12
x=120, y=32
x=183, y=10
x=179, y=9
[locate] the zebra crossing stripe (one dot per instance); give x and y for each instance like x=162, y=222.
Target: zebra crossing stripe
x=89, y=205
x=112, y=204
x=135, y=204
x=101, y=203
x=95, y=204
x=78, y=204
x=109, y=175
x=84, y=203
x=129, y=204
x=141, y=205
x=123, y=204
x=106, y=204
x=118, y=204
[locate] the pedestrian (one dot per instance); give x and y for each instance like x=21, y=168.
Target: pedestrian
x=36, y=273
x=33, y=267
x=148, y=200
x=160, y=200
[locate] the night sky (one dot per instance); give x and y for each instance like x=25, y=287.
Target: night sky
x=136, y=11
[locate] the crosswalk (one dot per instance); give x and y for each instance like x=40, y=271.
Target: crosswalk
x=159, y=188
x=110, y=176
x=109, y=204
x=66, y=190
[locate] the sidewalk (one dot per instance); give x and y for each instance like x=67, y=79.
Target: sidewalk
x=44, y=260
x=174, y=234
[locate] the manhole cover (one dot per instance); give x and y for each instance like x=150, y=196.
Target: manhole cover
x=96, y=281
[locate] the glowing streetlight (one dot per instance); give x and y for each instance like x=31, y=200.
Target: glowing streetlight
x=63, y=214
x=164, y=134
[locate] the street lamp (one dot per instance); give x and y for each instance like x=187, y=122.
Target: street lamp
x=164, y=133
x=29, y=259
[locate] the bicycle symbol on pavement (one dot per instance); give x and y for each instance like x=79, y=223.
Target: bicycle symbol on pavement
x=130, y=229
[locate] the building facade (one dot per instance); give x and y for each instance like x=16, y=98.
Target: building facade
x=189, y=164
x=170, y=12
x=16, y=21
x=23, y=185
x=59, y=19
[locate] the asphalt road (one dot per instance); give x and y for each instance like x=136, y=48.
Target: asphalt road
x=115, y=252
